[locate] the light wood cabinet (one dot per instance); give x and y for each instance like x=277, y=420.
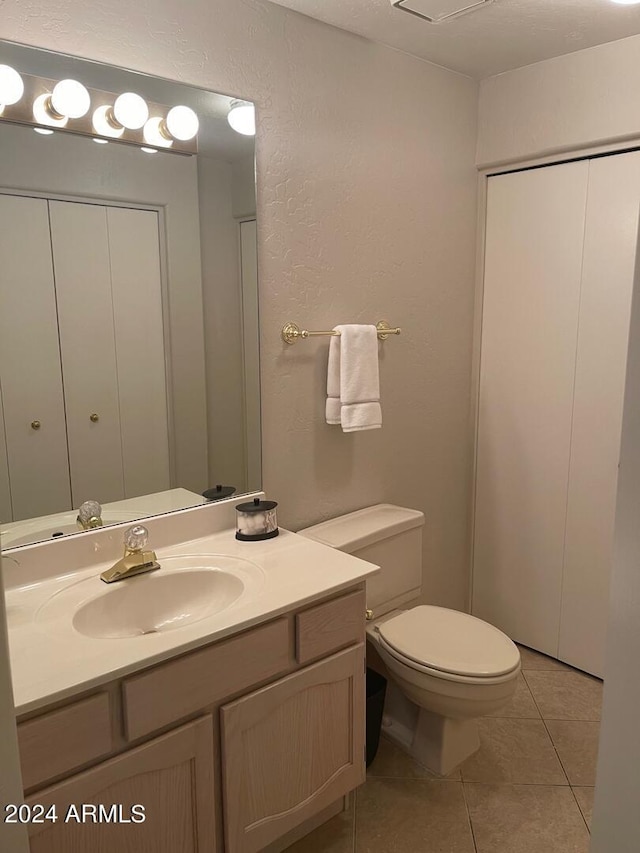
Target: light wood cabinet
x=560, y=254
x=265, y=744
x=291, y=749
x=171, y=776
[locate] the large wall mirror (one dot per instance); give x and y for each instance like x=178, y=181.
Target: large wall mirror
x=129, y=368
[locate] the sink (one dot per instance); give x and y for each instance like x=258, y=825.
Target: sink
x=185, y=590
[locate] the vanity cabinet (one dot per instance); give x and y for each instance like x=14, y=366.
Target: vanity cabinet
x=230, y=748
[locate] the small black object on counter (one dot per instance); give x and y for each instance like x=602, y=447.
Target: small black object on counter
x=218, y=493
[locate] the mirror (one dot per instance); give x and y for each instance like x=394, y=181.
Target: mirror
x=128, y=314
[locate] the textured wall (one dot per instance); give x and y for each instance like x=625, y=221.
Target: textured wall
x=366, y=205
x=583, y=99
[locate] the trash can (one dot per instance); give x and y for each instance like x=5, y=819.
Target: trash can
x=376, y=689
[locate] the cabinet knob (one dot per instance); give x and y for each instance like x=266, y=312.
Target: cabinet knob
x=35, y=425
x=94, y=418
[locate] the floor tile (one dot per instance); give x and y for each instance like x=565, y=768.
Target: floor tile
x=536, y=660
x=412, y=816
x=522, y=705
x=526, y=819
x=516, y=751
x=577, y=745
x=334, y=836
x=392, y=762
x=584, y=796
x=566, y=695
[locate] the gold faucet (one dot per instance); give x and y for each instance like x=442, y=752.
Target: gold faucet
x=89, y=515
x=136, y=560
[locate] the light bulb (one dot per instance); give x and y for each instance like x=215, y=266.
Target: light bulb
x=149, y=150
x=70, y=98
x=11, y=86
x=43, y=131
x=100, y=141
x=182, y=123
x=42, y=113
x=242, y=118
x=130, y=111
x=103, y=126
x=153, y=133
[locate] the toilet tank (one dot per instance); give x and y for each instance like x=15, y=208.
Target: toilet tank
x=389, y=536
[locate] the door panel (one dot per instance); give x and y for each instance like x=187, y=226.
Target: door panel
x=87, y=343
x=534, y=241
x=30, y=371
x=137, y=311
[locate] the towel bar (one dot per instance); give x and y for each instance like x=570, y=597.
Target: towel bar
x=292, y=333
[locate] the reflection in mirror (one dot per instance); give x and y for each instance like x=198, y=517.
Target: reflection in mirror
x=128, y=314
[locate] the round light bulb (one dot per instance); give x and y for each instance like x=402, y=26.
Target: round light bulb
x=131, y=111
x=242, y=118
x=153, y=134
x=182, y=123
x=11, y=85
x=42, y=113
x=103, y=126
x=70, y=98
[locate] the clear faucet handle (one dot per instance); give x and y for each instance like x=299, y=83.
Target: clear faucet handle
x=136, y=537
x=88, y=511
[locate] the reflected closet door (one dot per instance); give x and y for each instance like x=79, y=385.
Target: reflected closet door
x=87, y=344
x=30, y=375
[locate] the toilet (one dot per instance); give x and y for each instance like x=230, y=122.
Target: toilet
x=445, y=668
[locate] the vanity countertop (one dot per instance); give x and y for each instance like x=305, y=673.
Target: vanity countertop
x=51, y=661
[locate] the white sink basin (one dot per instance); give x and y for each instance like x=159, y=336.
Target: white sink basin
x=183, y=591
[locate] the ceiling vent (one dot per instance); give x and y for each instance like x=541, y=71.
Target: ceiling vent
x=437, y=11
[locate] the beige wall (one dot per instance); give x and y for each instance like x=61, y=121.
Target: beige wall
x=584, y=99
x=366, y=206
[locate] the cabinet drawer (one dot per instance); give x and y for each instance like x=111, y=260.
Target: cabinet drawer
x=62, y=740
x=330, y=626
x=181, y=687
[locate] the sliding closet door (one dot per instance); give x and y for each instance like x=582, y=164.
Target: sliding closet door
x=30, y=375
x=87, y=342
x=534, y=240
x=137, y=311
x=611, y=236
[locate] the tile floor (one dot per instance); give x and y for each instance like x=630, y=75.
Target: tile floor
x=529, y=789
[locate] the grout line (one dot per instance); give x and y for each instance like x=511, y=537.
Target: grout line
x=466, y=805
x=579, y=807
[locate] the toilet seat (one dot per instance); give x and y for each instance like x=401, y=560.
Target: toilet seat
x=449, y=644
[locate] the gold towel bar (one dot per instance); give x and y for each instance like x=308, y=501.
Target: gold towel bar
x=292, y=333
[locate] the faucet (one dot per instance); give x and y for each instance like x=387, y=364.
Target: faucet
x=89, y=515
x=136, y=560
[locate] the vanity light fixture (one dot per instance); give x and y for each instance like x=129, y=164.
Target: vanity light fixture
x=103, y=116
x=242, y=117
x=11, y=86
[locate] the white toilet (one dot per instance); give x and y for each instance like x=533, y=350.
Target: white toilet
x=445, y=668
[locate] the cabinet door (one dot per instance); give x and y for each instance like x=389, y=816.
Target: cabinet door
x=292, y=749
x=611, y=237
x=172, y=777
x=533, y=263
x=80, y=244
x=30, y=362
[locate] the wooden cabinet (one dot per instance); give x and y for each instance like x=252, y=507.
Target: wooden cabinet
x=291, y=749
x=285, y=739
x=172, y=777
x=560, y=252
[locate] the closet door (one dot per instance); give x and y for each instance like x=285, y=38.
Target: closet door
x=140, y=355
x=87, y=343
x=611, y=236
x=533, y=260
x=30, y=376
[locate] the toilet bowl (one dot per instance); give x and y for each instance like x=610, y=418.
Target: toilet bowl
x=445, y=668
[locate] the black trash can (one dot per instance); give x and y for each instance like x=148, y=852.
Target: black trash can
x=376, y=689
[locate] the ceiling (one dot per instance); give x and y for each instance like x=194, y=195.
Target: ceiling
x=499, y=36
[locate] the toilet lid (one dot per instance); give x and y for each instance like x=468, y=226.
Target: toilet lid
x=450, y=641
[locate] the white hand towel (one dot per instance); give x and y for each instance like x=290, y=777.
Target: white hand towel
x=353, y=375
